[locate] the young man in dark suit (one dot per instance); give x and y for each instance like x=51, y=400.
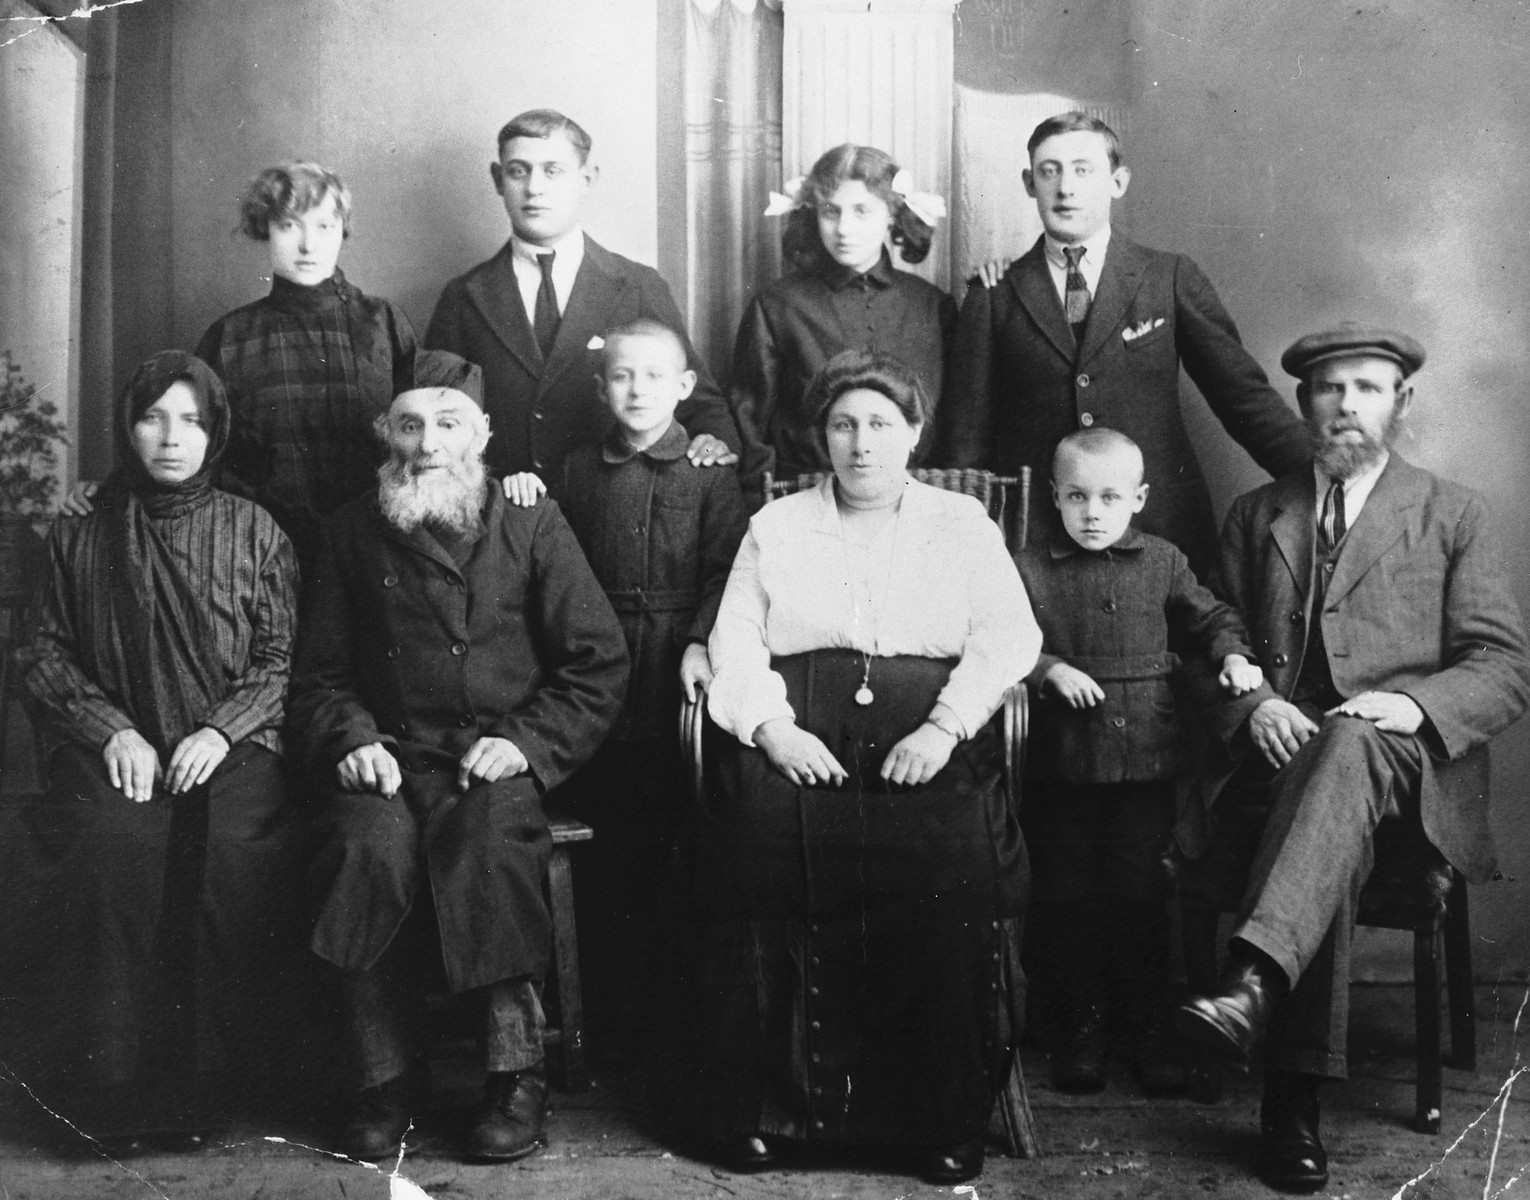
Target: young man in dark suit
x=1088, y=328
x=1376, y=598
x=528, y=315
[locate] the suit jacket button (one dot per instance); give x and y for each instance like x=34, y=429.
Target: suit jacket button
x=464, y=721
x=537, y=463
x=539, y=415
x=390, y=581
x=1086, y=420
x=459, y=649
x=1119, y=722
x=393, y=651
x=1108, y=605
x=1083, y=381
x=1296, y=617
x=1281, y=660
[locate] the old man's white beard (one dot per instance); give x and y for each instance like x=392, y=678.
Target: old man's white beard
x=451, y=498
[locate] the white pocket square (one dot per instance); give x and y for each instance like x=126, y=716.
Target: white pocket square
x=1141, y=329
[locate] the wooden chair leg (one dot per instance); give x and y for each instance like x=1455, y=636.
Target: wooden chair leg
x=1426, y=1001
x=1015, y=1105
x=1460, y=996
x=560, y=889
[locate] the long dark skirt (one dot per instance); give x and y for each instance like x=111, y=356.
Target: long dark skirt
x=859, y=980
x=175, y=927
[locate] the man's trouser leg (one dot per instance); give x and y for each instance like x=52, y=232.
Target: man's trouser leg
x=1303, y=889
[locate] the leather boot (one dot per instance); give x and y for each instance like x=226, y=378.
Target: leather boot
x=1232, y=1021
x=1291, y=1153
x=509, y=1123
x=382, y=1116
x=1078, y=1062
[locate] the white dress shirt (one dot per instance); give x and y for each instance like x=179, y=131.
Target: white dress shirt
x=528, y=275
x=1089, y=266
x=945, y=588
x=1356, y=491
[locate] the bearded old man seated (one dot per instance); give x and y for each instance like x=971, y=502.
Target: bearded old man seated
x=457, y=659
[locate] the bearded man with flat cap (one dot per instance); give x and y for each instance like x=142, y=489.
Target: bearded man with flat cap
x=1393, y=651
x=457, y=659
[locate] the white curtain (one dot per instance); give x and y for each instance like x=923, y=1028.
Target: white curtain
x=732, y=162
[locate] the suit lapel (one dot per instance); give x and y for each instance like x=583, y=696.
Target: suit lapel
x=497, y=296
x=1376, y=529
x=1292, y=529
x=1119, y=280
x=595, y=296
x=1032, y=284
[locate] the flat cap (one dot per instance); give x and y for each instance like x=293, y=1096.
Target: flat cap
x=1349, y=339
x=443, y=369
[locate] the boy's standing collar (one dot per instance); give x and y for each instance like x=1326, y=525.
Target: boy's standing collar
x=671, y=445
x=1062, y=546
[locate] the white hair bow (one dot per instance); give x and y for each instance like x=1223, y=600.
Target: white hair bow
x=788, y=198
x=927, y=206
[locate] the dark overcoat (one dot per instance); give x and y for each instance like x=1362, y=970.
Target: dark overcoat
x=1417, y=602
x=401, y=646
x=1018, y=384
x=542, y=409
x=1113, y=614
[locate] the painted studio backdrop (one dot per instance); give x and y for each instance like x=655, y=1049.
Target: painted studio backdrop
x=1318, y=160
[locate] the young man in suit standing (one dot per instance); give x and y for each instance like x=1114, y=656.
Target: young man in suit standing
x=527, y=315
x=1089, y=328
x=1393, y=651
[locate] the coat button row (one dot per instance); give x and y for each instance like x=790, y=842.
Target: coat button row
x=1083, y=381
x=1086, y=420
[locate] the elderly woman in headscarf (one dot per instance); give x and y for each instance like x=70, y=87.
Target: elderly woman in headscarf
x=158, y=682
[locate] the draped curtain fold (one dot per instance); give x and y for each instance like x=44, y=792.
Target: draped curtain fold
x=732, y=160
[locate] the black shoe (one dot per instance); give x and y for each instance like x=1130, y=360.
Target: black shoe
x=381, y=1118
x=1078, y=1062
x=1291, y=1154
x=509, y=1123
x=1159, y=1058
x=1232, y=1022
x=747, y=1153
x=954, y=1164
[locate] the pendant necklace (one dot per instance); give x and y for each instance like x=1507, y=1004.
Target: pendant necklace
x=863, y=694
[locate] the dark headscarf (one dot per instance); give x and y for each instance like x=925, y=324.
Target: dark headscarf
x=173, y=677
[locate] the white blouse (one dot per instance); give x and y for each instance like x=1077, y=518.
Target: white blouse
x=941, y=585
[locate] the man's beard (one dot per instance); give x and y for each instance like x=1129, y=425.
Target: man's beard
x=1343, y=458
x=450, y=498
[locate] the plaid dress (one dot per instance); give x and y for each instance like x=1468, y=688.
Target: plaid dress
x=307, y=370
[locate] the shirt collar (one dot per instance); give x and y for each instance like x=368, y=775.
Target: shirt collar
x=672, y=444
x=1062, y=546
x=1356, y=490
x=569, y=249
x=1094, y=247
x=838, y=276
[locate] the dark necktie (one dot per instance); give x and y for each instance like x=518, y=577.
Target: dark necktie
x=1076, y=304
x=544, y=322
x=1334, y=525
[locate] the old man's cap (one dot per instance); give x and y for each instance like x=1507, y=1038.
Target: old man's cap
x=1350, y=339
x=443, y=369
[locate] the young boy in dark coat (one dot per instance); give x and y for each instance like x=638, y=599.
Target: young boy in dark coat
x=661, y=534
x=1105, y=749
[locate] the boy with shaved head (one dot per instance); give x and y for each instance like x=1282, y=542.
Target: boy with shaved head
x=1105, y=751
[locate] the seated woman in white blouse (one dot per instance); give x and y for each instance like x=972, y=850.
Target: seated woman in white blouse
x=861, y=875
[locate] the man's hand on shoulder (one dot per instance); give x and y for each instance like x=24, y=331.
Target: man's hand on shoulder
x=708, y=451
x=523, y=489
x=993, y=270
x=1390, y=712
x=370, y=768
x=1279, y=730
x=489, y=760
